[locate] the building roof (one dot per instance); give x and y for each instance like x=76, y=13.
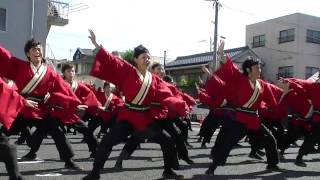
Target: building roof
x=87, y=52
x=281, y=19
x=204, y=58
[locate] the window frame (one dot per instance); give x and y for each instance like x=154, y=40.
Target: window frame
x=313, y=38
x=309, y=74
x=287, y=37
x=260, y=43
x=285, y=74
x=6, y=20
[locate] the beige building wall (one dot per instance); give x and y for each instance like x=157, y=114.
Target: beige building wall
x=297, y=53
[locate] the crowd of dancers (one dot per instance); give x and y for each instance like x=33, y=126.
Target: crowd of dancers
x=146, y=105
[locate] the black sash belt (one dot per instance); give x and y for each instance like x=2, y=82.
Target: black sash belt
x=247, y=110
x=136, y=107
x=33, y=98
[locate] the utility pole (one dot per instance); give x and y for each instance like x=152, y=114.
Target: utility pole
x=215, y=40
x=210, y=44
x=164, y=59
x=214, y=64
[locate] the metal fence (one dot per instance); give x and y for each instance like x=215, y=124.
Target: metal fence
x=57, y=8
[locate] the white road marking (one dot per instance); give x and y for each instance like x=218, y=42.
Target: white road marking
x=49, y=175
x=30, y=162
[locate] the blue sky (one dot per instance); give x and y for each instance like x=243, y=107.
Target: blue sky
x=177, y=26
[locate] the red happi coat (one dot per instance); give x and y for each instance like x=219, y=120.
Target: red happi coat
x=189, y=101
x=128, y=80
x=213, y=92
x=240, y=93
x=300, y=107
x=310, y=90
x=272, y=114
x=275, y=111
x=112, y=104
x=298, y=104
x=12, y=85
x=213, y=95
x=86, y=96
x=51, y=88
x=11, y=104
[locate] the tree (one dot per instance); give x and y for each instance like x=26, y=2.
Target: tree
x=127, y=55
x=187, y=85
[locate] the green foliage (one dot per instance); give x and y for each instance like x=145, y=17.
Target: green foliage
x=187, y=85
x=127, y=55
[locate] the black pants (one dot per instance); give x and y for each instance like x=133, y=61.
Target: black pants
x=232, y=132
x=175, y=133
x=310, y=140
x=120, y=131
x=8, y=155
x=188, y=121
x=264, y=138
x=294, y=132
x=213, y=124
x=205, y=126
x=276, y=129
x=51, y=126
x=89, y=138
x=95, y=122
x=183, y=127
x=20, y=124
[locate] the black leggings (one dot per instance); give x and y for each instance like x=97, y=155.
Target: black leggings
x=51, y=126
x=232, y=132
x=119, y=133
x=8, y=155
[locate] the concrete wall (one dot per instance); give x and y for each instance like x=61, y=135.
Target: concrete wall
x=297, y=53
x=19, y=24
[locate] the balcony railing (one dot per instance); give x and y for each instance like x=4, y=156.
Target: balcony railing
x=58, y=12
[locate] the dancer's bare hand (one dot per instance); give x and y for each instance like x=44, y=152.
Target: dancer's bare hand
x=82, y=107
x=284, y=85
x=30, y=103
x=93, y=39
x=205, y=70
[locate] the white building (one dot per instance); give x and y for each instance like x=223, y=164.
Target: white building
x=289, y=45
x=21, y=20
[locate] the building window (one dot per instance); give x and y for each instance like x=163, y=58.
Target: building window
x=313, y=36
x=3, y=19
x=285, y=72
x=311, y=71
x=259, y=41
x=286, y=36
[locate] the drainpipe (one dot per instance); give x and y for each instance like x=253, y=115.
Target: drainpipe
x=32, y=20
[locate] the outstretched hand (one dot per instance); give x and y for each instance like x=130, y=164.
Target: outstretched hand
x=205, y=70
x=283, y=84
x=221, y=47
x=220, y=53
x=30, y=103
x=82, y=107
x=197, y=87
x=92, y=37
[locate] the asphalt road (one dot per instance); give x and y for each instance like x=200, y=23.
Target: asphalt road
x=146, y=163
